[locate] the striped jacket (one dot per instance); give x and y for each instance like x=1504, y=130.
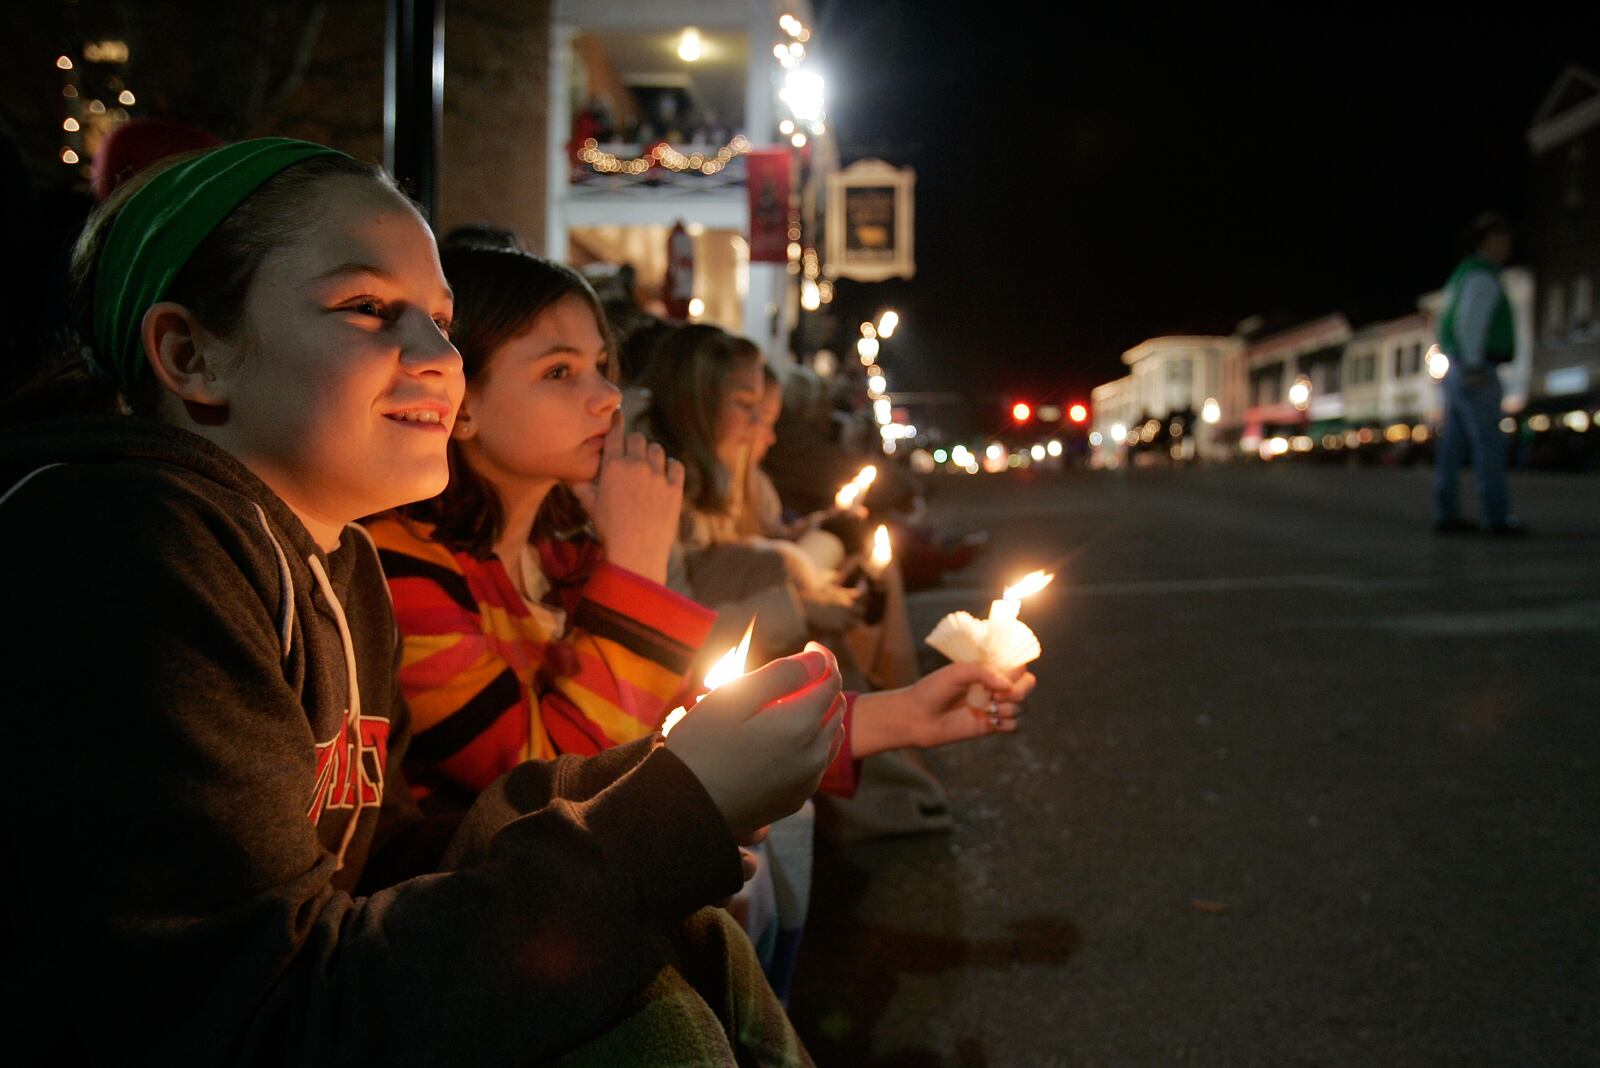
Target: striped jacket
x=490, y=686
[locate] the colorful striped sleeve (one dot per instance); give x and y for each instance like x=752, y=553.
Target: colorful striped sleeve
x=627, y=651
x=470, y=712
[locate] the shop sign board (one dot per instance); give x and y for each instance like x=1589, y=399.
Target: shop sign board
x=870, y=222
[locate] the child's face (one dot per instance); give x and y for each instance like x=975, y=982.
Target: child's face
x=342, y=385
x=766, y=422
x=742, y=387
x=541, y=410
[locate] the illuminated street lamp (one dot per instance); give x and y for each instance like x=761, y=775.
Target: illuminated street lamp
x=1300, y=393
x=689, y=49
x=867, y=349
x=1210, y=411
x=802, y=92
x=887, y=322
x=1438, y=363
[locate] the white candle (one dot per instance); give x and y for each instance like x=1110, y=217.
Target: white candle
x=1003, y=615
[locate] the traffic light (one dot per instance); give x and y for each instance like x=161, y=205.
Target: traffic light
x=1078, y=413
x=1022, y=411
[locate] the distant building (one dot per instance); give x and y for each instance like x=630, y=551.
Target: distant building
x=1563, y=241
x=1386, y=377
x=1115, y=406
x=1277, y=366
x=1172, y=379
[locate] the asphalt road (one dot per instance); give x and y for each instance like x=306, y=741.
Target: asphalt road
x=1302, y=785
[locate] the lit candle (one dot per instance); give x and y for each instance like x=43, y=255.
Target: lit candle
x=882, y=552
x=728, y=667
x=1010, y=602
x=851, y=491
x=1003, y=641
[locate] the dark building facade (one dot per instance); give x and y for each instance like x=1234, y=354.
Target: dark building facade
x=1563, y=241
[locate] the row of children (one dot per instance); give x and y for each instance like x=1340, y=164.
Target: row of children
x=283, y=827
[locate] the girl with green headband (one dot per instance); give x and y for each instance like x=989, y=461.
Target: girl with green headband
x=225, y=865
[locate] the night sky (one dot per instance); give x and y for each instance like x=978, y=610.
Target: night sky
x=1086, y=182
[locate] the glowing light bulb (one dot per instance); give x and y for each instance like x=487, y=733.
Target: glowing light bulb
x=689, y=47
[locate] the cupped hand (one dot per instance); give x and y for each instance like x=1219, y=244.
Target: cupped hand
x=634, y=502
x=760, y=744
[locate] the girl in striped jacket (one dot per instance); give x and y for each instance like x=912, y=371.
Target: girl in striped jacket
x=523, y=638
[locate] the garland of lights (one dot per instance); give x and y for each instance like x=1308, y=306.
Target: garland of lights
x=98, y=120
x=662, y=155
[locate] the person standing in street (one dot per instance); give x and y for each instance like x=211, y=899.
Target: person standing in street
x=1477, y=333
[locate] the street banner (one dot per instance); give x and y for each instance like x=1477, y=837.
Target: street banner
x=768, y=184
x=870, y=222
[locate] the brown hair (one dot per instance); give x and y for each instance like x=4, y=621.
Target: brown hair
x=499, y=293
x=685, y=379
x=213, y=284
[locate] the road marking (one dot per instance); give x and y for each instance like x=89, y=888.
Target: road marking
x=1559, y=618
x=1203, y=585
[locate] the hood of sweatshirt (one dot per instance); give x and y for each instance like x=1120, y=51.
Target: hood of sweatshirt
x=244, y=528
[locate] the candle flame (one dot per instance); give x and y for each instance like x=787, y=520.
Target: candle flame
x=882, y=550
x=1031, y=583
x=852, y=490
x=731, y=666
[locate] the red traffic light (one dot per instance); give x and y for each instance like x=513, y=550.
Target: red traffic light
x=1021, y=411
x=1077, y=413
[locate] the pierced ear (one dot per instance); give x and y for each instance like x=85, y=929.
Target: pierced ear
x=183, y=355
x=465, y=427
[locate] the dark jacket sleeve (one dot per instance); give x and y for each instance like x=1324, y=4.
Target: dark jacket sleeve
x=171, y=901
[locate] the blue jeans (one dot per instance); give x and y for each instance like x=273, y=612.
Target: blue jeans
x=1471, y=432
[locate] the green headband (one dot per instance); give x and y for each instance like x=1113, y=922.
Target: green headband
x=160, y=227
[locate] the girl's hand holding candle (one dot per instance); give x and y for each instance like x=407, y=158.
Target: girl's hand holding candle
x=933, y=711
x=761, y=743
x=1002, y=641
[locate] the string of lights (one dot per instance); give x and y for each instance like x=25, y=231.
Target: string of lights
x=662, y=155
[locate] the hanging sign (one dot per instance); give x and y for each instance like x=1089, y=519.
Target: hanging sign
x=870, y=226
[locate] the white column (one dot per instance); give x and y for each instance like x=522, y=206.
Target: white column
x=560, y=127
